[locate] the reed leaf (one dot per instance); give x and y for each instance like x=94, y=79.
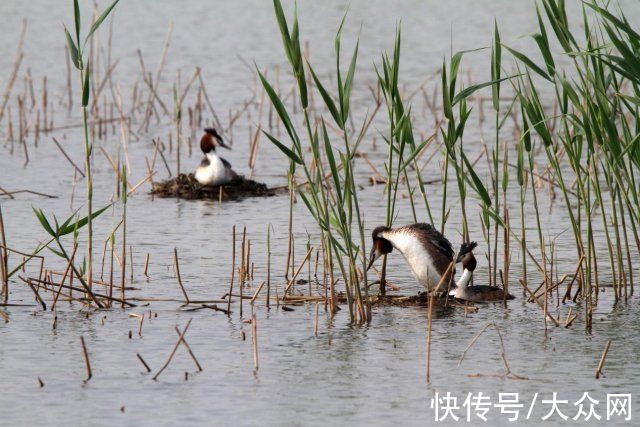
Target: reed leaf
x=288, y=152
x=529, y=63
x=328, y=100
x=100, y=19
x=73, y=49
x=86, y=89
x=468, y=91
x=279, y=106
x=76, y=16
x=475, y=181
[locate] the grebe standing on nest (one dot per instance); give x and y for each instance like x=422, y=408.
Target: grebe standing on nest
x=425, y=249
x=213, y=170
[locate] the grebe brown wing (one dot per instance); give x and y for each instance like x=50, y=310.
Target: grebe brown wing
x=438, y=246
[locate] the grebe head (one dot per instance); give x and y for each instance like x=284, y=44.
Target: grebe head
x=381, y=246
x=465, y=256
x=210, y=140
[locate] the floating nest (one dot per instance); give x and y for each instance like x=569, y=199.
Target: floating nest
x=186, y=187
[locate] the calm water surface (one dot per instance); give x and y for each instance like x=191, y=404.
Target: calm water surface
x=373, y=374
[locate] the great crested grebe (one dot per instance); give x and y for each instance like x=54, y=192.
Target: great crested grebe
x=213, y=170
x=478, y=293
x=425, y=249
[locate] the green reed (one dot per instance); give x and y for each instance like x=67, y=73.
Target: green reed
x=596, y=131
x=76, y=53
x=73, y=224
x=334, y=207
x=402, y=148
x=591, y=143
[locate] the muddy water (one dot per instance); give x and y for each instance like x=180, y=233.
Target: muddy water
x=359, y=375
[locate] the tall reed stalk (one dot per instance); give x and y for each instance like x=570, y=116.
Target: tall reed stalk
x=76, y=53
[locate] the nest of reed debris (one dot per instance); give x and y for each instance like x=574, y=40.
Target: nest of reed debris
x=186, y=187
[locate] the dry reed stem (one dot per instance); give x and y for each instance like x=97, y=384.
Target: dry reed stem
x=94, y=295
x=193, y=356
x=64, y=276
x=254, y=341
x=233, y=269
x=4, y=257
x=177, y=268
x=35, y=292
x=173, y=352
x=293, y=279
x=524, y=286
x=64, y=153
x=86, y=359
x=430, y=317
x=146, y=265
x=255, y=294
x=602, y=358
x=143, y=362
x=16, y=66
x=508, y=373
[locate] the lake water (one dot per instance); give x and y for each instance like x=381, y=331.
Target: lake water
x=373, y=374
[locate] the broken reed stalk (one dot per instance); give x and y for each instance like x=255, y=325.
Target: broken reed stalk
x=508, y=373
x=86, y=359
x=4, y=266
x=146, y=265
x=64, y=276
x=254, y=341
x=64, y=153
x=546, y=286
x=315, y=320
x=93, y=296
x=193, y=356
x=233, y=270
x=541, y=305
x=242, y=267
x=255, y=294
x=143, y=362
x=35, y=292
x=268, y=264
x=573, y=279
x=602, y=358
x=430, y=317
x=112, y=244
x=173, y=352
x=123, y=277
x=16, y=66
x=293, y=279
x=177, y=268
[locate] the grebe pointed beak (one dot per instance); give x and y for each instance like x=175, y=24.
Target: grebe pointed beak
x=221, y=143
x=373, y=256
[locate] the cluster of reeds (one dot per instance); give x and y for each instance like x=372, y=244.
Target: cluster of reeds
x=590, y=138
x=334, y=206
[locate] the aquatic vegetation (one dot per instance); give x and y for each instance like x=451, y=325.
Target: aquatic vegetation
x=335, y=209
x=590, y=140
x=76, y=53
